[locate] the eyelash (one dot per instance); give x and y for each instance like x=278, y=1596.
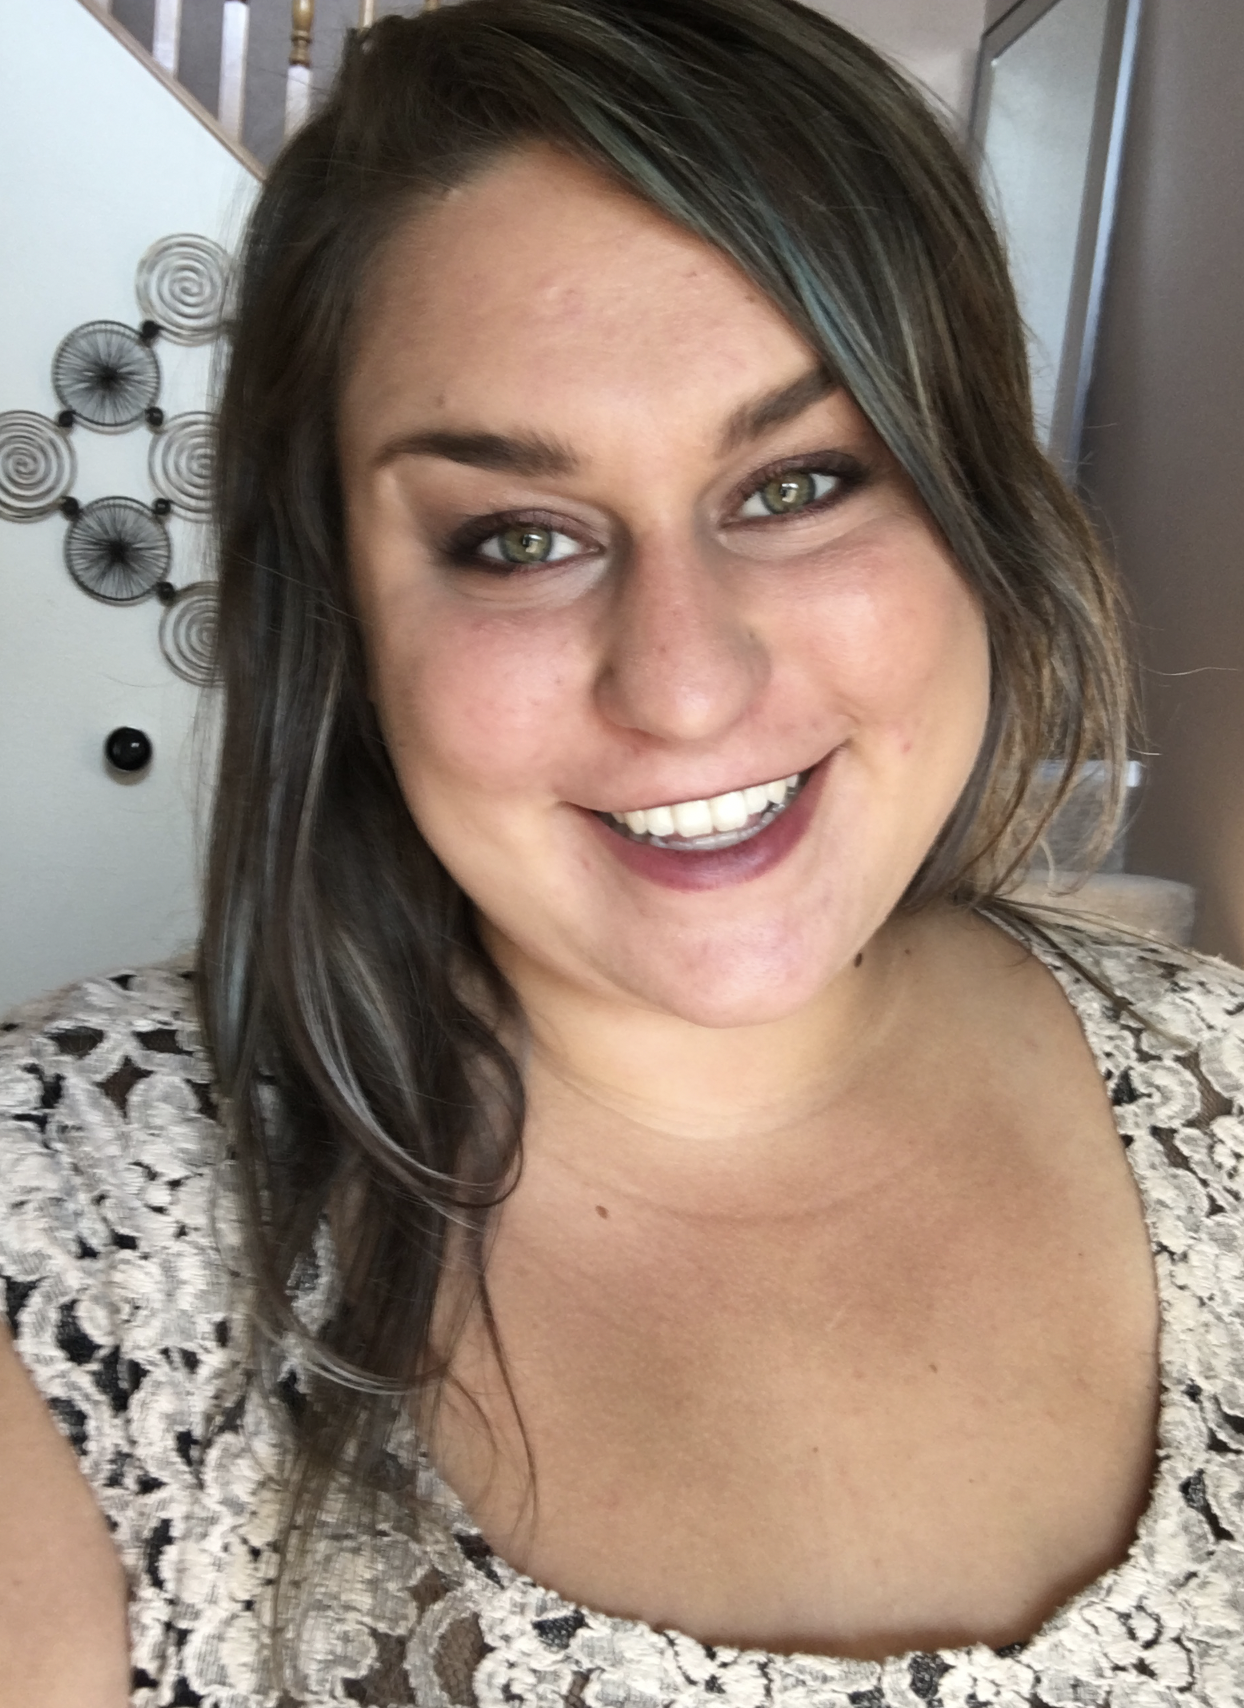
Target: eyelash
x=462, y=549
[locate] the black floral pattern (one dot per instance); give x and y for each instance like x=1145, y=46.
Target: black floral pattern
x=126, y=1295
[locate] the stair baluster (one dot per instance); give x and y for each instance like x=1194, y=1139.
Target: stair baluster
x=234, y=33
x=166, y=35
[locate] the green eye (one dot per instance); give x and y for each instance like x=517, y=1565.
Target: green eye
x=525, y=544
x=792, y=491
x=787, y=492
x=521, y=545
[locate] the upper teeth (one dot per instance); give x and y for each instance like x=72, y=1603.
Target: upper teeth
x=702, y=818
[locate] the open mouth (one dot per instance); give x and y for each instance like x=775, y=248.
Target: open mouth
x=707, y=826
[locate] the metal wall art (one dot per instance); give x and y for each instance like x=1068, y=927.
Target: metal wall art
x=180, y=463
x=106, y=377
x=116, y=549
x=37, y=466
x=183, y=285
x=188, y=632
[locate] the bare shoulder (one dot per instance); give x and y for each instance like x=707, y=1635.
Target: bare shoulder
x=1165, y=1026
x=1178, y=992
x=62, y=1590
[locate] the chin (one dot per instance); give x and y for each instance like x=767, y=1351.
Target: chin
x=737, y=983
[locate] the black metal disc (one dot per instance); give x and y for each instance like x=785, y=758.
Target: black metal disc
x=106, y=374
x=116, y=550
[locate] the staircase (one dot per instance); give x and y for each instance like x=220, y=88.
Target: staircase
x=248, y=68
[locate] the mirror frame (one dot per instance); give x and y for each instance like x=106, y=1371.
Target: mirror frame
x=1098, y=208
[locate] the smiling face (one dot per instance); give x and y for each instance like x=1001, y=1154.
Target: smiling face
x=679, y=680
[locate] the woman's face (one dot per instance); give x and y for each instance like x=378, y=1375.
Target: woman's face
x=628, y=564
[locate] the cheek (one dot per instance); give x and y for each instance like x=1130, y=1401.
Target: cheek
x=907, y=649
x=471, y=705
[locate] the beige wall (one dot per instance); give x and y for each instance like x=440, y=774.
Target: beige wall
x=1166, y=446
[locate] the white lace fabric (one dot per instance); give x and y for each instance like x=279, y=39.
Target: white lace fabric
x=119, y=1253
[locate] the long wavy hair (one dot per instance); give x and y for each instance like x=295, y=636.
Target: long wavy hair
x=354, y=1015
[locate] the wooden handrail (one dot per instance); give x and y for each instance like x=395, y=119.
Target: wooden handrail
x=242, y=155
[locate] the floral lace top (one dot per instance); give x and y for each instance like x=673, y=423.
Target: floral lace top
x=118, y=1235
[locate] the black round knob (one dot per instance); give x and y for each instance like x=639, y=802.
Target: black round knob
x=128, y=749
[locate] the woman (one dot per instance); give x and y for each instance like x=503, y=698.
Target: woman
x=644, y=613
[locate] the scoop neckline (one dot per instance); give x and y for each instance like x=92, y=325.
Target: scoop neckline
x=498, y=1578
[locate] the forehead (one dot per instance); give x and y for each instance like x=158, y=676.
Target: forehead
x=539, y=279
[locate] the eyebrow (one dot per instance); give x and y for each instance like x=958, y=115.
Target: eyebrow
x=526, y=454
x=533, y=455
x=776, y=408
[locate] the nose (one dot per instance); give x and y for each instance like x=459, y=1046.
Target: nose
x=680, y=661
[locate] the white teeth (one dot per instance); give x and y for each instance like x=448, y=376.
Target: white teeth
x=693, y=818
x=729, y=812
x=717, y=816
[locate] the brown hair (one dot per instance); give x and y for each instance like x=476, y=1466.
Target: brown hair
x=337, y=949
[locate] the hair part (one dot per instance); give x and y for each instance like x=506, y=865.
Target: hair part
x=355, y=1017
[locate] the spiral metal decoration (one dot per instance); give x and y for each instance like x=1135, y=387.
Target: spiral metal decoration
x=117, y=550
x=183, y=285
x=106, y=374
x=181, y=463
x=37, y=466
x=188, y=633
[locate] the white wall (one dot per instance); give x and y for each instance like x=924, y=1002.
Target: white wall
x=934, y=41
x=99, y=162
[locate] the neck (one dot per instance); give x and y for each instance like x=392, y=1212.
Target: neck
x=626, y=1090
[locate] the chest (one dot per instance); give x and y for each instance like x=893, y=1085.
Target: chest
x=904, y=1425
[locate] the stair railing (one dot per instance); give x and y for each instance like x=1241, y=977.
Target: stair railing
x=164, y=55
x=230, y=137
